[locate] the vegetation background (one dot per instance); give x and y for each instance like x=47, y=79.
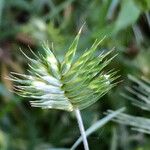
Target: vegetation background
x=23, y=23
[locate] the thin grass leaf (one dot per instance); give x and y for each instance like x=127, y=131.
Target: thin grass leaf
x=137, y=123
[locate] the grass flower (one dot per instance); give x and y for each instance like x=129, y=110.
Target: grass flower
x=66, y=85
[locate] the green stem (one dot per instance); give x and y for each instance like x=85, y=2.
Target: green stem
x=82, y=130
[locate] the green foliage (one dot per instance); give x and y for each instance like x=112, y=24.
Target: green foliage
x=128, y=15
x=144, y=4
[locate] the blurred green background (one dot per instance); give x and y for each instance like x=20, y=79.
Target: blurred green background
x=23, y=23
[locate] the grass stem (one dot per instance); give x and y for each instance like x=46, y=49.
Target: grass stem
x=82, y=130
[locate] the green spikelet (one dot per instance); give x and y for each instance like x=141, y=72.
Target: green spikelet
x=66, y=85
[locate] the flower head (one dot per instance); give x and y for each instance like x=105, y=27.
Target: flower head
x=66, y=85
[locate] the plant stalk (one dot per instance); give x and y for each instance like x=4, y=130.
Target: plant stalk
x=82, y=130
